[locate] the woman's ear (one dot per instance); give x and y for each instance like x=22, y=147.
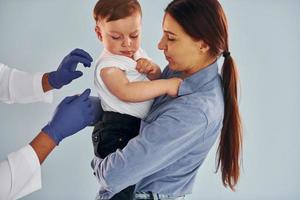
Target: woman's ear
x=203, y=47
x=98, y=32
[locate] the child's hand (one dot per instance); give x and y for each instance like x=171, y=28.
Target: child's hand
x=145, y=66
x=173, y=86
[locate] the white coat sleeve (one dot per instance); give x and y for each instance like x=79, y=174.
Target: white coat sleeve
x=22, y=87
x=20, y=174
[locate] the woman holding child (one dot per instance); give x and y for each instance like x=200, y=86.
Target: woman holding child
x=178, y=132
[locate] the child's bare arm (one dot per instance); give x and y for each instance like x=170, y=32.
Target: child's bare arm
x=118, y=84
x=149, y=68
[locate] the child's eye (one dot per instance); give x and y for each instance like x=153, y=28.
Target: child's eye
x=115, y=37
x=134, y=36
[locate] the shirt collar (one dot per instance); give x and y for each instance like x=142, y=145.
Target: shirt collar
x=192, y=83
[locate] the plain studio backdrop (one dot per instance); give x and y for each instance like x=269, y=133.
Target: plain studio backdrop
x=35, y=35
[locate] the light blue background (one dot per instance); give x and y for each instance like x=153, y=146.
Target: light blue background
x=35, y=35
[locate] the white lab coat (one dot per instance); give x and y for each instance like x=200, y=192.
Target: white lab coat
x=21, y=87
x=20, y=173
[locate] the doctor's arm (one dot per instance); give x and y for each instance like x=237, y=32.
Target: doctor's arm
x=21, y=87
x=71, y=115
x=20, y=173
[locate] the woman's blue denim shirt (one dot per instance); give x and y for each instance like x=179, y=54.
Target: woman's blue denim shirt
x=173, y=142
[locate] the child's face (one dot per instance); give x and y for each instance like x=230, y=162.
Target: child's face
x=121, y=37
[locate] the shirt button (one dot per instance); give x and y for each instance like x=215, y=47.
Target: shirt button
x=95, y=138
x=120, y=139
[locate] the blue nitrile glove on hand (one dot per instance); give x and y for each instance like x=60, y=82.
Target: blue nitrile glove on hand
x=71, y=115
x=97, y=109
x=66, y=71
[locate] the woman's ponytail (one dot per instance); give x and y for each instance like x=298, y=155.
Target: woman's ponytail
x=229, y=150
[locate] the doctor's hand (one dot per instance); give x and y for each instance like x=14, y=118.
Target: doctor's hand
x=66, y=71
x=71, y=115
x=97, y=109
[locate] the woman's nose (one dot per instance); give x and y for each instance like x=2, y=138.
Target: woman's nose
x=162, y=45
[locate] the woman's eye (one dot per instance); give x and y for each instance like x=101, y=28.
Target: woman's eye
x=170, y=37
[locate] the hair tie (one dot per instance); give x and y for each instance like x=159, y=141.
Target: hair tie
x=226, y=54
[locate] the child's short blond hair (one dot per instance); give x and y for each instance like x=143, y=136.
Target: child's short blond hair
x=111, y=10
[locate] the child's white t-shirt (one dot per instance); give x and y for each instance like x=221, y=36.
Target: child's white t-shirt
x=110, y=102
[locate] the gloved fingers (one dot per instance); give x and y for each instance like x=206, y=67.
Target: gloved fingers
x=75, y=59
x=88, y=108
x=75, y=74
x=95, y=101
x=90, y=119
x=97, y=110
x=69, y=99
x=89, y=105
x=85, y=95
x=81, y=52
x=92, y=114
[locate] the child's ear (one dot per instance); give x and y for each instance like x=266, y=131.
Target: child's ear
x=98, y=33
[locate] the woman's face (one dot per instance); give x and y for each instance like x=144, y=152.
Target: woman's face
x=182, y=52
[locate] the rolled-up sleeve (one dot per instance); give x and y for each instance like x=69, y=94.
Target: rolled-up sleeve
x=159, y=144
x=22, y=87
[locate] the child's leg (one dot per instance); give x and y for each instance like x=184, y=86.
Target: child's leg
x=112, y=133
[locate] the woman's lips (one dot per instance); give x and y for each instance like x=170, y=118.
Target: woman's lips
x=169, y=58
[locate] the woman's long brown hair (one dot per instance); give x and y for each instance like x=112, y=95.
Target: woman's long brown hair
x=205, y=20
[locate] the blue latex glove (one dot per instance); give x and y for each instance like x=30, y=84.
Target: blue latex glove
x=71, y=115
x=66, y=71
x=97, y=109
